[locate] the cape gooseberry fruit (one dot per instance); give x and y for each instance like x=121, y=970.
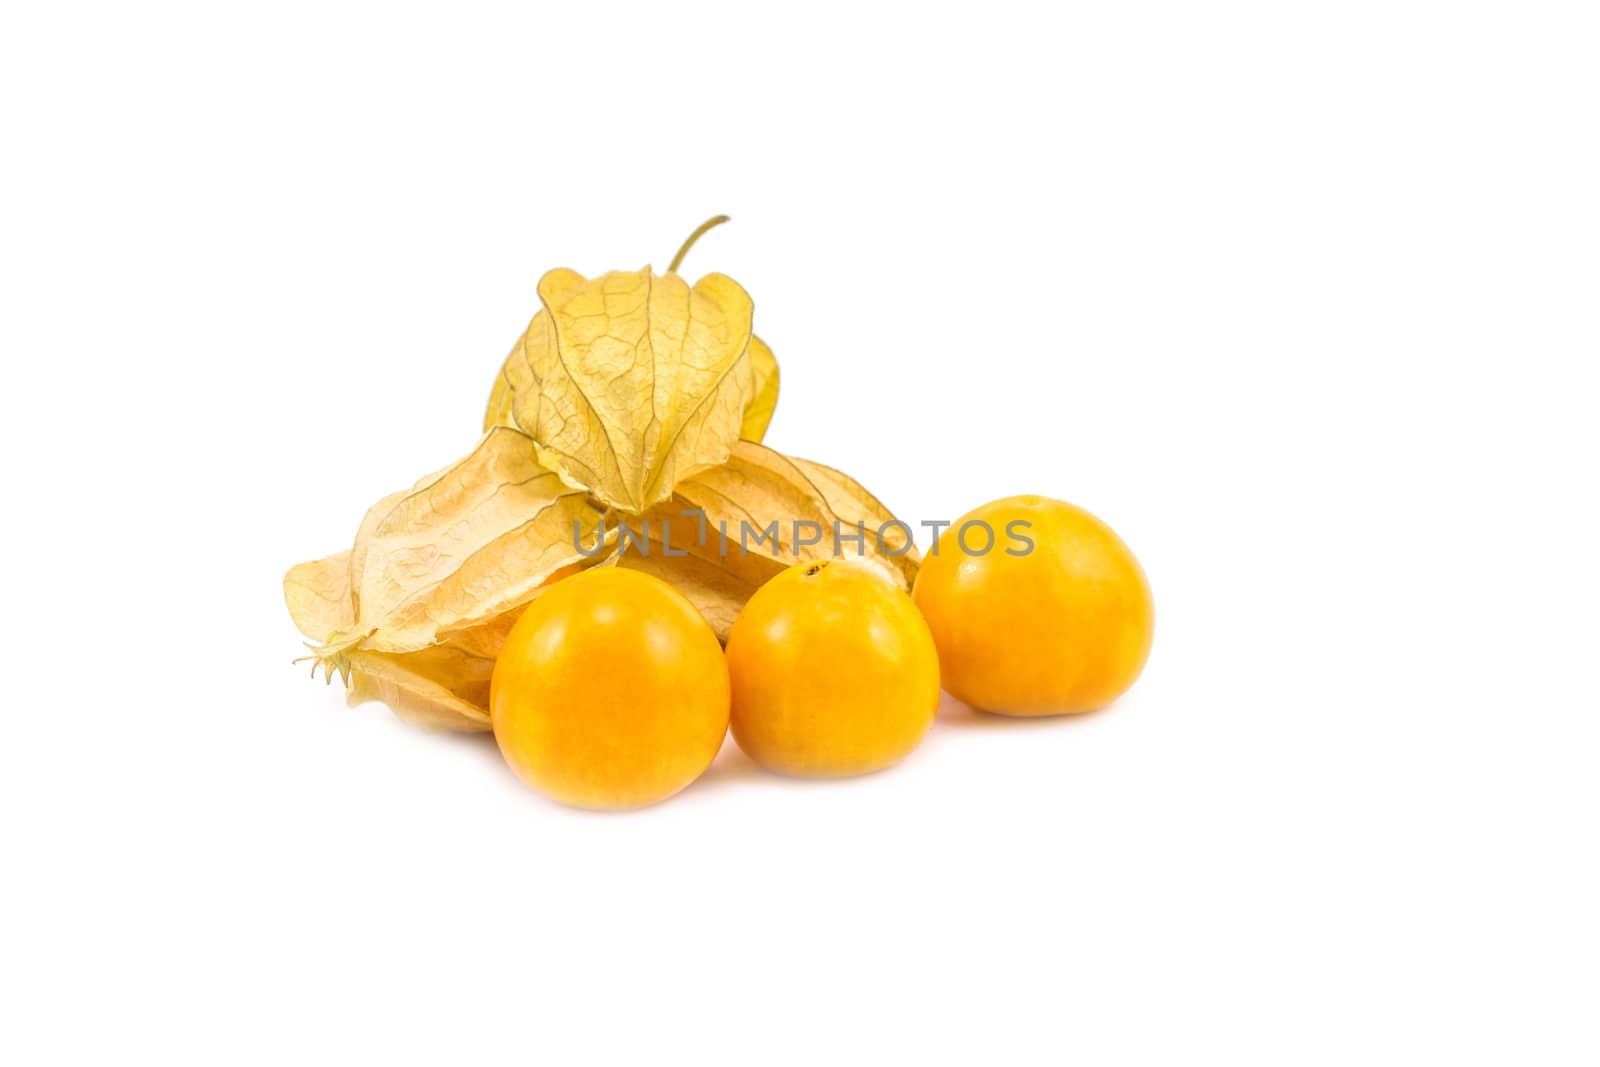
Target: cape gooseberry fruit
x=611, y=691
x=834, y=672
x=1037, y=608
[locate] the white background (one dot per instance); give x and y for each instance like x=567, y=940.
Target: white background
x=1300, y=298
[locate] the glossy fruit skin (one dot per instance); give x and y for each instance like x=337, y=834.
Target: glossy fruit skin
x=611, y=692
x=1062, y=629
x=834, y=672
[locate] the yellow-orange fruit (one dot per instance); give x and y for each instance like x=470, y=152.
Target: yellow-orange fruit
x=611, y=691
x=1064, y=626
x=833, y=670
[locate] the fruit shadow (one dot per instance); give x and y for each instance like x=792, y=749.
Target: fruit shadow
x=731, y=768
x=478, y=745
x=952, y=713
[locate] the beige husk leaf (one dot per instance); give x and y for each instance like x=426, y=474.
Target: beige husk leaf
x=632, y=398
x=465, y=548
x=731, y=528
x=723, y=533
x=752, y=427
x=441, y=688
x=632, y=381
x=758, y=415
x=415, y=612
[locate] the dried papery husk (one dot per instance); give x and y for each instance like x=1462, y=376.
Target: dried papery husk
x=888, y=538
x=758, y=413
x=673, y=546
x=415, y=612
x=632, y=397
x=682, y=541
x=464, y=548
x=515, y=383
x=632, y=381
x=760, y=486
x=441, y=688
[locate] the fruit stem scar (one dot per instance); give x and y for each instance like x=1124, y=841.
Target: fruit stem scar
x=814, y=568
x=692, y=238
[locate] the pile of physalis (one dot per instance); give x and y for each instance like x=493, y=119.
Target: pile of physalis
x=572, y=581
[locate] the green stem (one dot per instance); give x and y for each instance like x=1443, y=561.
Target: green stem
x=693, y=237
